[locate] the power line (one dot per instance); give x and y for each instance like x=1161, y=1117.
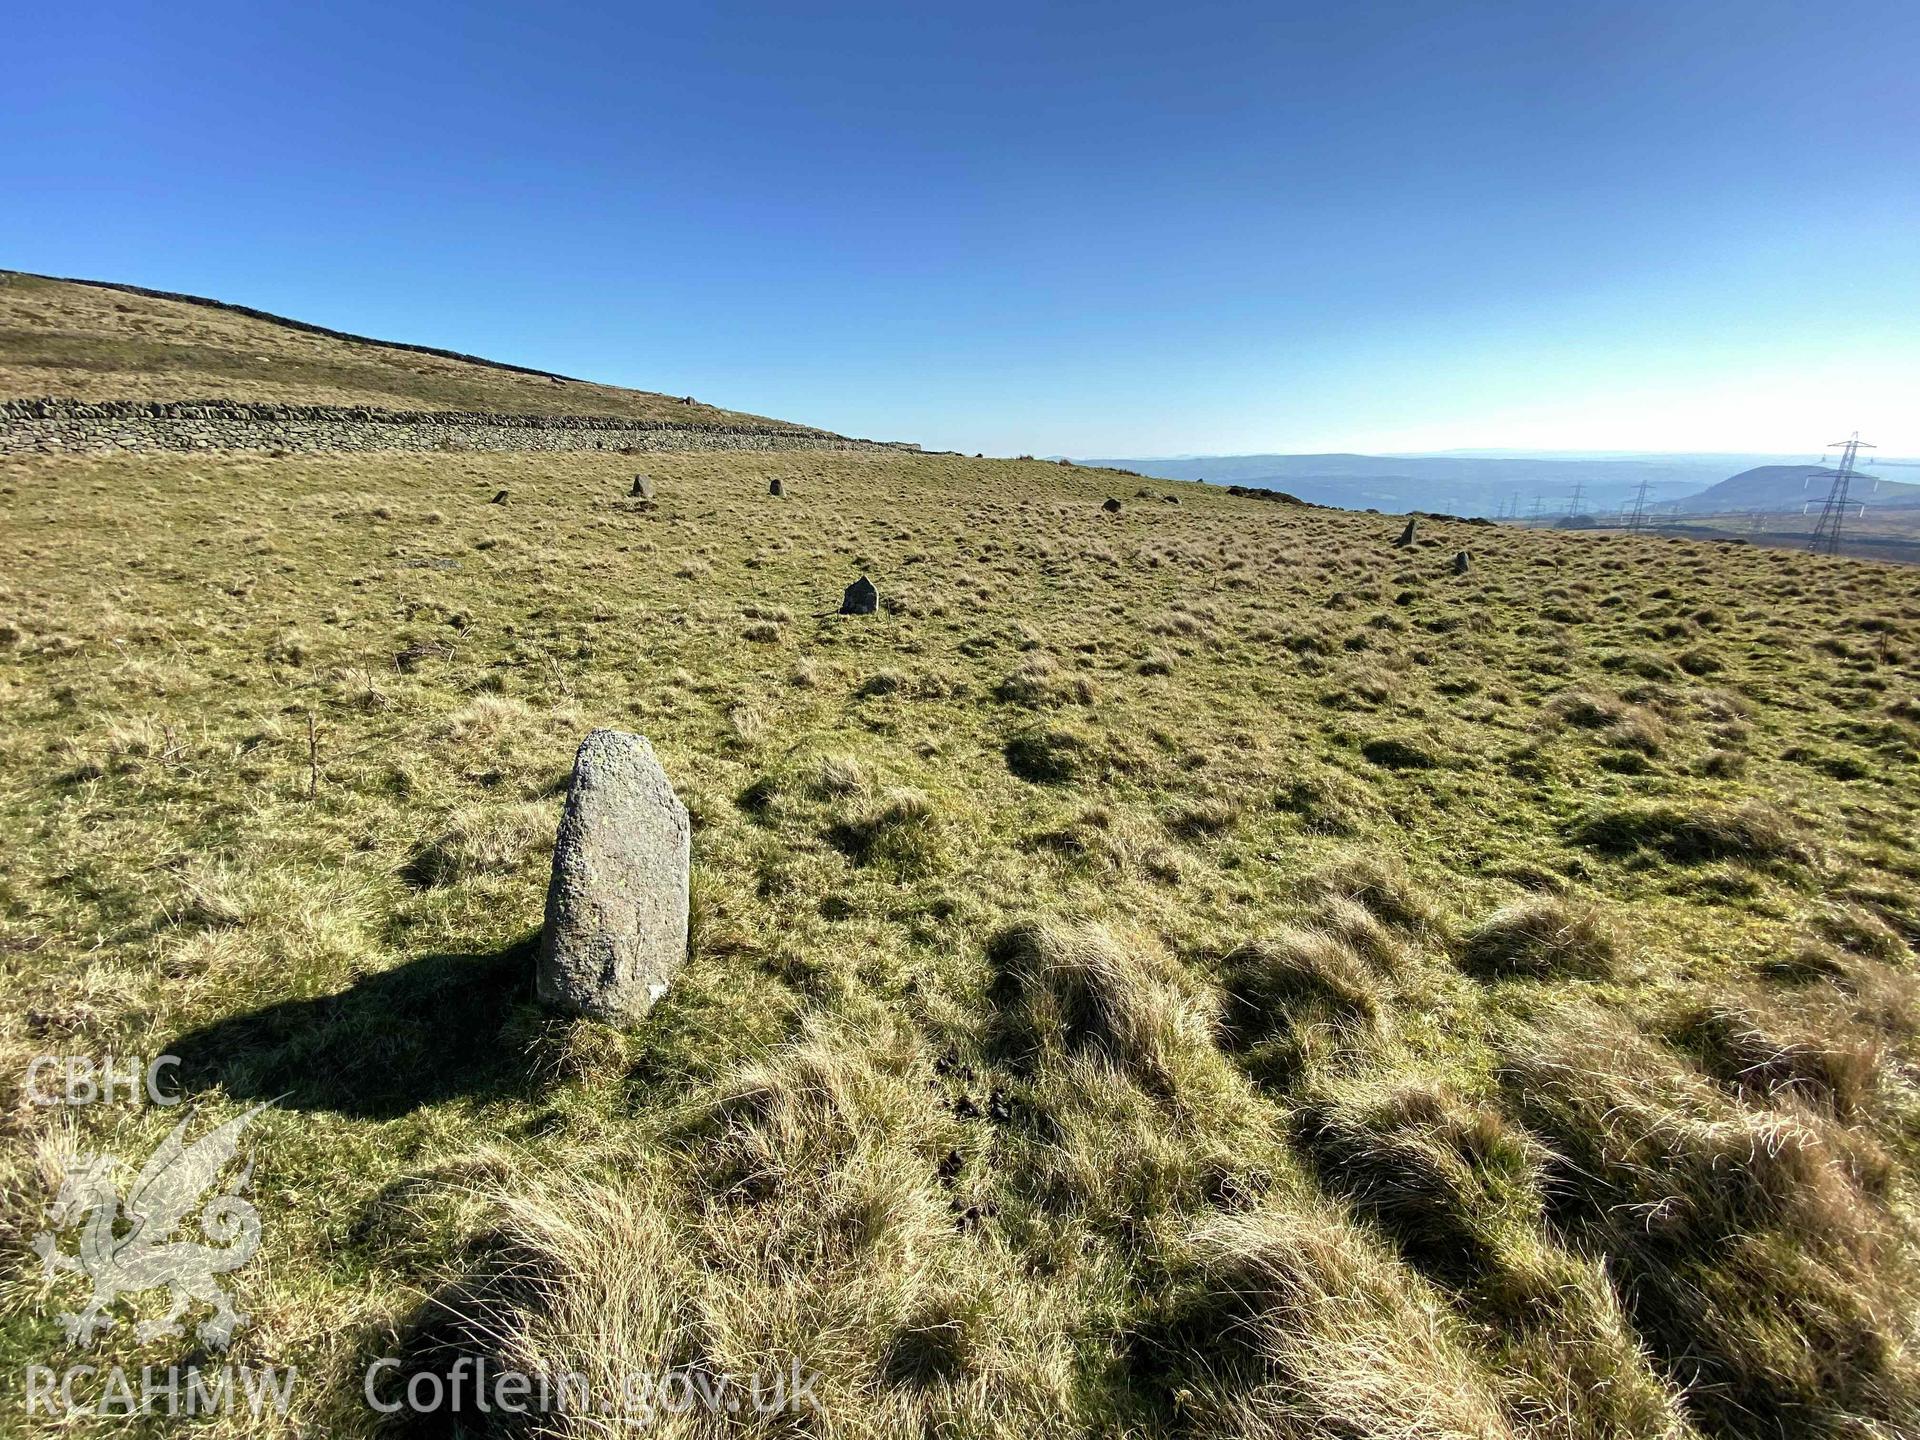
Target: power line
x=1637, y=517
x=1579, y=494
x=1826, y=534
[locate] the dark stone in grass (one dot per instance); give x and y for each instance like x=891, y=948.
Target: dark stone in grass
x=1406, y=535
x=861, y=598
x=499, y=499
x=1462, y=562
x=774, y=487
x=616, y=931
x=642, y=487
x=1111, y=506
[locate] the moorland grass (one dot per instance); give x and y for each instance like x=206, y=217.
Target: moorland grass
x=1196, y=970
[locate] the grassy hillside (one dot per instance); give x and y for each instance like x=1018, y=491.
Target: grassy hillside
x=1198, y=971
x=1791, y=487
x=1888, y=534
x=94, y=342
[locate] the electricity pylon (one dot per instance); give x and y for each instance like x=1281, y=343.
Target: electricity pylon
x=1826, y=533
x=1579, y=494
x=1637, y=517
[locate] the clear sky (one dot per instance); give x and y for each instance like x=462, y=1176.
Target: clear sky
x=1116, y=228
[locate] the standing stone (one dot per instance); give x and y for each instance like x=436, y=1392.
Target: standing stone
x=499, y=499
x=774, y=487
x=1111, y=506
x=616, y=931
x=1406, y=535
x=861, y=598
x=1461, y=563
x=642, y=487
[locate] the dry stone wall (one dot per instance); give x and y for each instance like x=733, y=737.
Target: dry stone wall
x=38, y=427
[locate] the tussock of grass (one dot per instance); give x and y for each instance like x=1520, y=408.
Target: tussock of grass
x=901, y=830
x=1753, y=1264
x=209, y=900
x=1400, y=752
x=1859, y=929
x=1387, y=948
x=1086, y=989
x=1048, y=755
x=1297, y=996
x=1383, y=887
x=1293, y=1323
x=1798, y=1052
x=1211, y=815
x=1437, y=1176
x=957, y=1162
x=1328, y=801
x=1038, y=682
x=1111, y=844
x=1541, y=937
x=816, y=1102
x=1585, y=709
x=839, y=775
x=1297, y=973
x=482, y=840
x=1691, y=835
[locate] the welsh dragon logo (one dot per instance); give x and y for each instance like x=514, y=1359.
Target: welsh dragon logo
x=127, y=1249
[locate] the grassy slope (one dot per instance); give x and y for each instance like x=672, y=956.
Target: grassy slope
x=94, y=343
x=1468, y=1005
x=1891, y=535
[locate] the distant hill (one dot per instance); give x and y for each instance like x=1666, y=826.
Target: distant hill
x=1463, y=485
x=92, y=340
x=1788, y=487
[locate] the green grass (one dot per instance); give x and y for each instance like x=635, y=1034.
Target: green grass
x=1198, y=970
x=87, y=342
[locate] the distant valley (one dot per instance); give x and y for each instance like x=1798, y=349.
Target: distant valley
x=1523, y=487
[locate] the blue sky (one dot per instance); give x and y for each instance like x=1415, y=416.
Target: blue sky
x=1088, y=229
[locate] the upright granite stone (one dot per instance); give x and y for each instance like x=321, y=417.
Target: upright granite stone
x=616, y=930
x=1406, y=535
x=642, y=487
x=1462, y=563
x=861, y=598
x=774, y=487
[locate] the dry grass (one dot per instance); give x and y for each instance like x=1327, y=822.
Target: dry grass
x=1541, y=937
x=91, y=343
x=1315, y=1332
x=1110, y=1011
